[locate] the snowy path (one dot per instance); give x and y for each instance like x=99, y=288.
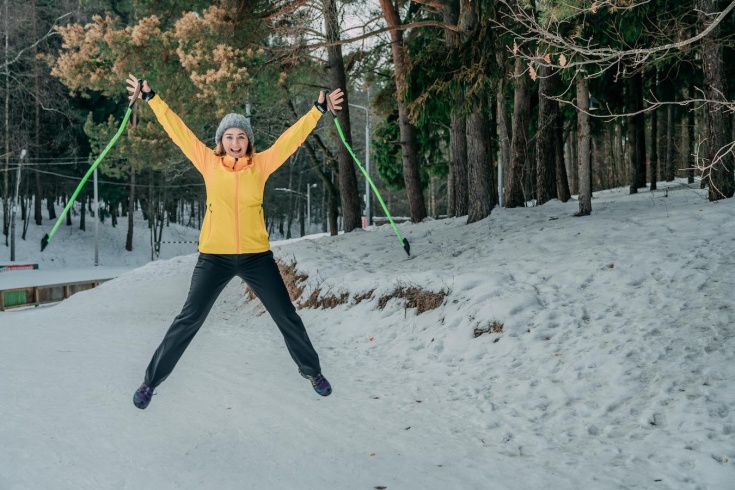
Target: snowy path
x=615, y=368
x=235, y=414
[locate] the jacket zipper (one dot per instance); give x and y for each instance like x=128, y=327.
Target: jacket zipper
x=237, y=207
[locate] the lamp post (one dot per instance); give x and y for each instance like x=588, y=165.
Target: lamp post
x=368, y=216
x=15, y=207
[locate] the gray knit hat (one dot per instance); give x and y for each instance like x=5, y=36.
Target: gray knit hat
x=233, y=120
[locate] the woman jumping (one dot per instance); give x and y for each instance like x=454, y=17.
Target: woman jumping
x=233, y=240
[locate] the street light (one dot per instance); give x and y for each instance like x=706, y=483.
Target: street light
x=368, y=217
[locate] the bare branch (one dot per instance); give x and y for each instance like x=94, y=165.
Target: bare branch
x=594, y=55
x=426, y=23
x=707, y=169
x=51, y=32
x=435, y=4
x=38, y=99
x=279, y=10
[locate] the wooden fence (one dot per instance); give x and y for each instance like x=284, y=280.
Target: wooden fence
x=39, y=295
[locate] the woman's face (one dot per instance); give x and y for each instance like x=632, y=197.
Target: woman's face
x=235, y=142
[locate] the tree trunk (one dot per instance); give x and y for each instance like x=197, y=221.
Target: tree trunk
x=621, y=169
x=50, y=206
x=71, y=210
x=37, y=214
x=662, y=138
x=131, y=210
x=655, y=139
x=514, y=196
x=596, y=163
x=289, y=215
x=683, y=145
x=546, y=138
x=300, y=200
x=609, y=165
x=350, y=196
x=492, y=149
x=458, y=163
x=562, y=182
x=479, y=156
x=22, y=200
x=6, y=198
x=131, y=196
x=583, y=135
x=333, y=207
x=631, y=145
x=83, y=213
x=718, y=165
x=504, y=132
x=479, y=141
x=636, y=133
x=27, y=220
x=640, y=127
x=411, y=170
x=302, y=214
x=457, y=181
x=573, y=143
x=670, y=169
x=689, y=147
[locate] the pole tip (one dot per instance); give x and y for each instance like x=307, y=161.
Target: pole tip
x=406, y=247
x=44, y=242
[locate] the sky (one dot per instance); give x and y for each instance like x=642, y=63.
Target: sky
x=614, y=367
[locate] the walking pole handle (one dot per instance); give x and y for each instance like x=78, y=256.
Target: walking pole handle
x=138, y=88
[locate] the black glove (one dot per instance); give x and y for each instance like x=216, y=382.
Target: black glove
x=322, y=106
x=146, y=96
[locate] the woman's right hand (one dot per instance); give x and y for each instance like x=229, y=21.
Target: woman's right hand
x=132, y=82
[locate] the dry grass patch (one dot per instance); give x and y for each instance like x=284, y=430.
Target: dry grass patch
x=292, y=278
x=295, y=282
x=415, y=297
x=359, y=298
x=327, y=301
x=493, y=327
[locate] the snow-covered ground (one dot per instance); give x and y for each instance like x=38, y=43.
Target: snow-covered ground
x=615, y=367
x=70, y=255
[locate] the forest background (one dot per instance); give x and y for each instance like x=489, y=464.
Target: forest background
x=462, y=105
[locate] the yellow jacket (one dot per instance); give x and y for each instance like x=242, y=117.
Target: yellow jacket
x=234, y=221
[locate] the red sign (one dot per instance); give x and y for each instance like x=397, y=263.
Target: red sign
x=18, y=267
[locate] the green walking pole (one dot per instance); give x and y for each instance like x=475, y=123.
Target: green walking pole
x=403, y=241
x=47, y=238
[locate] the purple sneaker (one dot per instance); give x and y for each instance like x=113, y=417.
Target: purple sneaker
x=142, y=396
x=320, y=384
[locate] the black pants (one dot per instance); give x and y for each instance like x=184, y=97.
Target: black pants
x=211, y=275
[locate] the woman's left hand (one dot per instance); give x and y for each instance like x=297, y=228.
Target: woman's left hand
x=334, y=100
